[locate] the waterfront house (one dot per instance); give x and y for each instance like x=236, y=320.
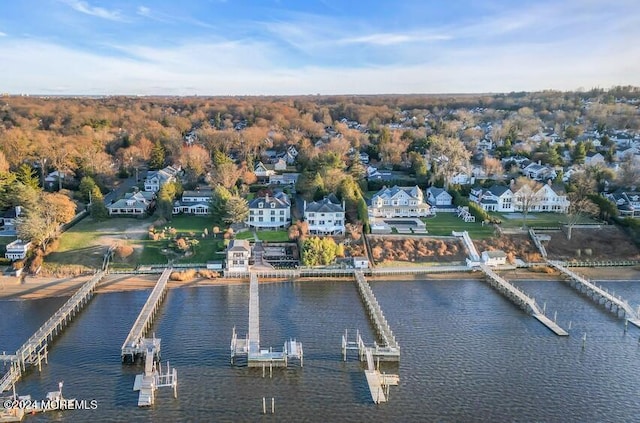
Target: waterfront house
x=399, y=202
x=195, y=202
x=133, y=204
x=360, y=262
x=269, y=212
x=9, y=216
x=495, y=198
x=238, y=255
x=325, y=217
x=17, y=250
x=627, y=202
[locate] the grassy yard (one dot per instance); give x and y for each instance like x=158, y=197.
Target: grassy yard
x=444, y=223
x=269, y=236
x=543, y=220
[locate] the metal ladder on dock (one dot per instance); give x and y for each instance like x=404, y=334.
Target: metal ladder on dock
x=579, y=281
x=34, y=351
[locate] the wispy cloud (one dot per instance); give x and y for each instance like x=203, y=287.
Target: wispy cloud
x=99, y=12
x=3, y=34
x=388, y=39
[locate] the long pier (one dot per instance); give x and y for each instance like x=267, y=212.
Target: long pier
x=521, y=299
x=610, y=301
x=249, y=347
x=389, y=350
x=136, y=345
x=34, y=351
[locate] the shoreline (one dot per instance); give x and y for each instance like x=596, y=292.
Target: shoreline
x=32, y=288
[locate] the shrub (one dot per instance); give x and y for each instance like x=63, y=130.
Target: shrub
x=183, y=276
x=123, y=251
x=209, y=274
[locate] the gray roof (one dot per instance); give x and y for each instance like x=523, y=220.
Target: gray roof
x=498, y=190
x=391, y=192
x=280, y=201
x=239, y=245
x=328, y=204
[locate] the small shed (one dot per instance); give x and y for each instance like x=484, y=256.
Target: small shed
x=360, y=262
x=494, y=258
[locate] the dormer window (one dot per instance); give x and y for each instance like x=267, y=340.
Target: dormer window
x=273, y=205
x=260, y=205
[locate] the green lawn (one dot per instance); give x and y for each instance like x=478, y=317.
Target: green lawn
x=542, y=220
x=444, y=223
x=270, y=236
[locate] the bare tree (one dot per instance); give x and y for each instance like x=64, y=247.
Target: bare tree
x=579, y=207
x=450, y=155
x=526, y=196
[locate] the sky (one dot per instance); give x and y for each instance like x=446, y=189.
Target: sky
x=291, y=47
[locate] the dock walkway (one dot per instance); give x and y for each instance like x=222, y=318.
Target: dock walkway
x=136, y=345
x=521, y=299
x=389, y=350
x=599, y=293
x=249, y=346
x=34, y=351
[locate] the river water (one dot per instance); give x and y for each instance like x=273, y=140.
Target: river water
x=468, y=355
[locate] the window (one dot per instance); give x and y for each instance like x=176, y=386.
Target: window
x=260, y=205
x=281, y=212
x=273, y=205
x=260, y=219
x=273, y=219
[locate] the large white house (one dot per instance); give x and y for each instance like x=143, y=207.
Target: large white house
x=269, y=212
x=399, y=202
x=157, y=178
x=325, y=217
x=502, y=199
x=133, y=204
x=194, y=202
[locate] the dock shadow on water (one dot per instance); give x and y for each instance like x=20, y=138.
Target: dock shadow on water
x=467, y=355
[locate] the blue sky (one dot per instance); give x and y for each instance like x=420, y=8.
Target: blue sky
x=240, y=47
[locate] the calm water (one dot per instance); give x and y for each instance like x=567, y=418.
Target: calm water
x=467, y=355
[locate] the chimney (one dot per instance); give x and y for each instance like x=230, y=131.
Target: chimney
x=304, y=206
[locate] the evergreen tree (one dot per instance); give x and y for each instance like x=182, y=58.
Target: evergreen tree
x=158, y=154
x=28, y=176
x=579, y=153
x=236, y=210
x=97, y=209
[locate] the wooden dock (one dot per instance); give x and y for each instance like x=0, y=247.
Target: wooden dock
x=152, y=379
x=34, y=351
x=249, y=347
x=610, y=301
x=136, y=345
x=389, y=349
x=521, y=299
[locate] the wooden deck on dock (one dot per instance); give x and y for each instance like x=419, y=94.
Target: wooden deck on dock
x=249, y=346
x=34, y=351
x=136, y=345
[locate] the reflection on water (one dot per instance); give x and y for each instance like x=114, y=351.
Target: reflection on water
x=467, y=355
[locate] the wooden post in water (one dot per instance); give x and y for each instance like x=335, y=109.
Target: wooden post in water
x=273, y=405
x=584, y=340
x=555, y=316
x=264, y=405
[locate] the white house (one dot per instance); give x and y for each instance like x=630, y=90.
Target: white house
x=539, y=172
x=284, y=179
x=325, y=217
x=628, y=203
x=135, y=204
x=439, y=197
x=494, y=258
x=269, y=212
x=194, y=202
x=263, y=172
x=17, y=250
x=238, y=255
x=8, y=217
x=496, y=198
x=399, y=202
x=157, y=178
